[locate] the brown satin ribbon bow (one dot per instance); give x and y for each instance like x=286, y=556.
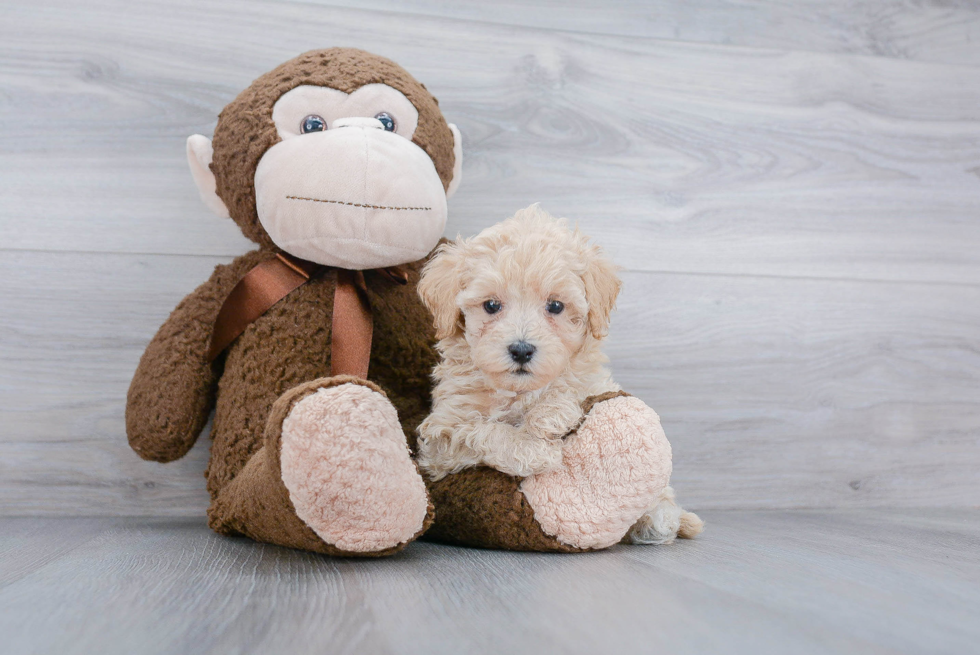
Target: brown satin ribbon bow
x=274, y=279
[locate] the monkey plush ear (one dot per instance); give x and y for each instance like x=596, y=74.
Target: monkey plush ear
x=199, y=154
x=440, y=284
x=602, y=286
x=457, y=161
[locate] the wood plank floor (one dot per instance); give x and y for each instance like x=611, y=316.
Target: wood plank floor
x=792, y=189
x=859, y=581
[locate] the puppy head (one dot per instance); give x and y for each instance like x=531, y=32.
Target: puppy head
x=525, y=295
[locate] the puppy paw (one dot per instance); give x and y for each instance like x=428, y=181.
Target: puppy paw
x=613, y=470
x=554, y=418
x=526, y=455
x=346, y=465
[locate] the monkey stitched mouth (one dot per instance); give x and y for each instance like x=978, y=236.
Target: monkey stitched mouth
x=358, y=204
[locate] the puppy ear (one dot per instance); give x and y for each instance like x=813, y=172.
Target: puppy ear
x=602, y=286
x=440, y=284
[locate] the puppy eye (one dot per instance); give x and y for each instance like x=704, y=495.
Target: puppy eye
x=312, y=123
x=555, y=307
x=491, y=306
x=387, y=120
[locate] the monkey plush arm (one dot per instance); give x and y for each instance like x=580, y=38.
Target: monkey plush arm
x=174, y=386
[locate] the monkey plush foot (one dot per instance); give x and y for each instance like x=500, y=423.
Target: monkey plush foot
x=614, y=469
x=346, y=465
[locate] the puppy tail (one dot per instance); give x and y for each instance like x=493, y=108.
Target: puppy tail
x=691, y=526
x=664, y=523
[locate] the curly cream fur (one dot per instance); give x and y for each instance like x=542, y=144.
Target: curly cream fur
x=487, y=410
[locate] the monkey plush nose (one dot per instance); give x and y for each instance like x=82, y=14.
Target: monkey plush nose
x=358, y=121
x=521, y=352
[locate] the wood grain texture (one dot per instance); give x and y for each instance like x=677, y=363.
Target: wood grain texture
x=774, y=392
x=924, y=30
x=704, y=158
x=759, y=582
x=797, y=220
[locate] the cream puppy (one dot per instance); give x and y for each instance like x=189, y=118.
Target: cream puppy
x=521, y=310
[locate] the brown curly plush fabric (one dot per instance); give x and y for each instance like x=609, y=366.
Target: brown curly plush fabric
x=485, y=508
x=285, y=350
x=256, y=502
x=284, y=355
x=245, y=129
x=290, y=345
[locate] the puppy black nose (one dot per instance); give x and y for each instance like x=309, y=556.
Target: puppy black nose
x=521, y=352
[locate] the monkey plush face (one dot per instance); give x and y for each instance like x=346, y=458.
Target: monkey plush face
x=338, y=156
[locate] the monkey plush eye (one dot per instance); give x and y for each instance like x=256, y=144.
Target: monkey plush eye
x=555, y=307
x=312, y=123
x=387, y=120
x=491, y=306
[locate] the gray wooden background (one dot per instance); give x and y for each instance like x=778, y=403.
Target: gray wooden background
x=792, y=188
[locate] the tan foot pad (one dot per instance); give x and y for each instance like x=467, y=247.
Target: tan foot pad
x=346, y=465
x=614, y=469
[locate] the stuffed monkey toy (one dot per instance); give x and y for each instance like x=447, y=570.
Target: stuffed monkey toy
x=314, y=351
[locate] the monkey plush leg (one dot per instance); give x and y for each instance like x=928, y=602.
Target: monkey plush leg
x=334, y=475
x=485, y=508
x=345, y=462
x=614, y=469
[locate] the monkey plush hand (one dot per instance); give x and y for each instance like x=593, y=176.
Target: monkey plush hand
x=313, y=350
